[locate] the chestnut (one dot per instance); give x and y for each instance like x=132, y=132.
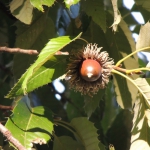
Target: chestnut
x=90, y=70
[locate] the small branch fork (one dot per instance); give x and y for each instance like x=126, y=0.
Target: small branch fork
x=131, y=71
x=10, y=138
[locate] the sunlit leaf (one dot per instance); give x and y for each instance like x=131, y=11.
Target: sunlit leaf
x=144, y=88
x=47, y=52
x=68, y=3
x=38, y=3
x=28, y=124
x=22, y=10
x=53, y=69
x=144, y=37
x=66, y=143
x=140, y=139
x=87, y=132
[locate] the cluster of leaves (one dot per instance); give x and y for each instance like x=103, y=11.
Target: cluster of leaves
x=75, y=121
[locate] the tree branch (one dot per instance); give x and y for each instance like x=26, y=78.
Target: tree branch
x=10, y=138
x=6, y=107
x=19, y=50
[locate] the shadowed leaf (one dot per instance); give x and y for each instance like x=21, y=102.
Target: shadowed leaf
x=66, y=143
x=87, y=132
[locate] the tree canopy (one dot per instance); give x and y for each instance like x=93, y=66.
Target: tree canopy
x=88, y=46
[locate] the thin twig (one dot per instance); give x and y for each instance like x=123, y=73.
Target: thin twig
x=131, y=71
x=10, y=138
x=61, y=53
x=6, y=107
x=19, y=50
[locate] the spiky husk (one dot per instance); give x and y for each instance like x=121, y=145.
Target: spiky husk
x=73, y=70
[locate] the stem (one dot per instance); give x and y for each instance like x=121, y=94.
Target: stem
x=84, y=40
x=120, y=61
x=137, y=70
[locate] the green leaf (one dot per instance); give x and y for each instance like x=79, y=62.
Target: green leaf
x=68, y=3
x=119, y=133
x=95, y=9
x=140, y=139
x=144, y=37
x=91, y=103
x=110, y=110
x=144, y=4
x=35, y=37
x=87, y=133
x=47, y=52
x=122, y=91
x=53, y=69
x=144, y=88
x=118, y=49
x=22, y=10
x=29, y=124
x=38, y=3
x=74, y=107
x=66, y=143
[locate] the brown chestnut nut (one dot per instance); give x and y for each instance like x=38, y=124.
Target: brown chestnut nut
x=90, y=70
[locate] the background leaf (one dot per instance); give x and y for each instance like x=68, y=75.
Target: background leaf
x=87, y=132
x=144, y=37
x=95, y=9
x=145, y=4
x=35, y=37
x=91, y=103
x=140, y=131
x=22, y=10
x=66, y=143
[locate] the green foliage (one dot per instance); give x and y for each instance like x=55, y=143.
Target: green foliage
x=22, y=10
x=66, y=143
x=36, y=123
x=141, y=125
x=69, y=3
x=44, y=75
x=85, y=131
x=38, y=3
x=95, y=9
x=117, y=117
